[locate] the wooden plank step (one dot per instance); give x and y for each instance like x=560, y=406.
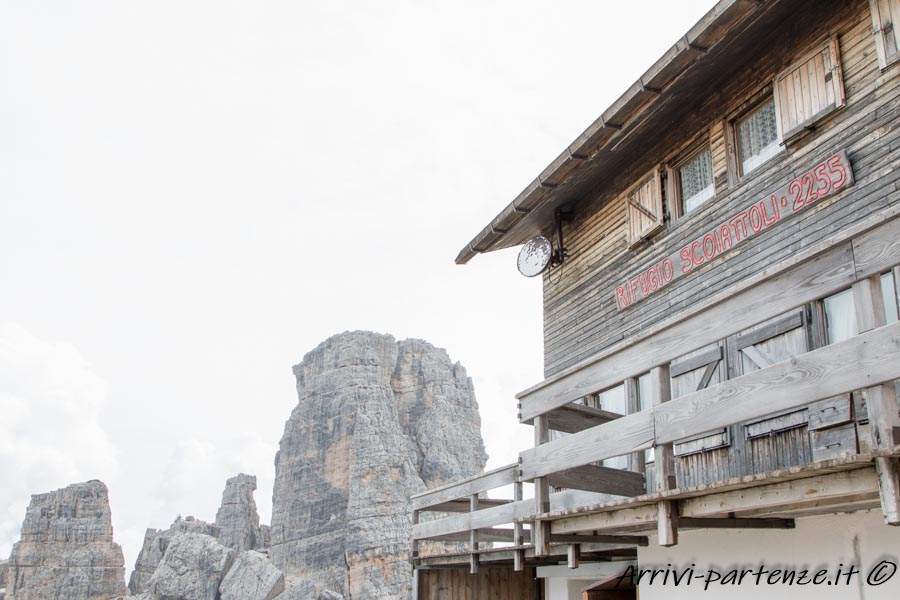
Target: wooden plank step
x=572, y=418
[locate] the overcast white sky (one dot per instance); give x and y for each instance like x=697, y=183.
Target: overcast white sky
x=194, y=194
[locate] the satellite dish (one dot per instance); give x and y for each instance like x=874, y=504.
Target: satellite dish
x=535, y=256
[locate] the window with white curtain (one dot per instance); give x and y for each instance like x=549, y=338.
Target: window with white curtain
x=840, y=317
x=695, y=180
x=643, y=392
x=613, y=400
x=757, y=135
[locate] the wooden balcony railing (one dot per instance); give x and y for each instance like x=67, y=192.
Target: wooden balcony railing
x=611, y=504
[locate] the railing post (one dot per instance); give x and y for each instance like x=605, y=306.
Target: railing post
x=473, y=537
x=881, y=401
x=540, y=530
x=667, y=517
x=636, y=460
x=573, y=555
x=413, y=553
x=518, y=533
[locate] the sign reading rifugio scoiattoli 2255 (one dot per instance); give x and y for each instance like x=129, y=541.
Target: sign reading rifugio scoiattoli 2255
x=826, y=178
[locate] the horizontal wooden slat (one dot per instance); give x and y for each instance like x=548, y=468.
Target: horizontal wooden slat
x=480, y=519
x=462, y=505
x=725, y=523
x=485, y=534
x=629, y=434
x=572, y=418
x=695, y=362
x=463, y=489
x=862, y=361
x=604, y=480
x=831, y=487
x=769, y=331
x=637, y=540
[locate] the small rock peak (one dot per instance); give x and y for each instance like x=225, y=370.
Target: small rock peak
x=237, y=518
x=156, y=542
x=60, y=528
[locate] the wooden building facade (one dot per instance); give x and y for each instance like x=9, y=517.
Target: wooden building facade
x=721, y=340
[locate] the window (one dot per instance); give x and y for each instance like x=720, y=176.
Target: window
x=695, y=181
x=887, y=39
x=889, y=295
x=644, y=208
x=757, y=135
x=840, y=317
x=809, y=90
x=644, y=394
x=613, y=400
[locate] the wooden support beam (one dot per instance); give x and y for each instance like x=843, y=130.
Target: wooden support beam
x=473, y=537
x=667, y=529
x=881, y=401
x=637, y=540
x=462, y=505
x=603, y=480
x=540, y=530
x=463, y=489
x=485, y=534
x=781, y=497
x=726, y=523
x=414, y=550
x=572, y=417
x=573, y=556
x=518, y=533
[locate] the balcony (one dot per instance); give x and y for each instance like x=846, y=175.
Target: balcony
x=607, y=512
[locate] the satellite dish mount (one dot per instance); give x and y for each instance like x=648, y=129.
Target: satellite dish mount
x=538, y=254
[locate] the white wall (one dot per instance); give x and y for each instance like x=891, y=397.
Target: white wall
x=563, y=583
x=859, y=538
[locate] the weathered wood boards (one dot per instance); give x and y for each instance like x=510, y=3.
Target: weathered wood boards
x=859, y=362
x=825, y=179
x=820, y=270
x=784, y=496
x=581, y=315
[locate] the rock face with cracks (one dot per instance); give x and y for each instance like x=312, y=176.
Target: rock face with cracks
x=237, y=519
x=156, y=542
x=252, y=577
x=66, y=551
x=377, y=421
x=192, y=568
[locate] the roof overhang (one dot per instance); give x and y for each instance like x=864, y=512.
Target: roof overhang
x=575, y=171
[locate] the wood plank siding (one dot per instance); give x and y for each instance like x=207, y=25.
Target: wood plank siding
x=581, y=317
x=487, y=584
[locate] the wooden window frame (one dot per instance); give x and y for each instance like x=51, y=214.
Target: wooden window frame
x=736, y=173
x=885, y=60
x=674, y=201
x=836, y=79
x=636, y=240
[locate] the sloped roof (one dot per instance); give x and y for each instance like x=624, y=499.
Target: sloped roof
x=577, y=168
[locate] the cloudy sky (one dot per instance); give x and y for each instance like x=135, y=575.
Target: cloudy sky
x=194, y=194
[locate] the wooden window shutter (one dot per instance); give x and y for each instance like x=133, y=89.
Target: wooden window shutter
x=809, y=90
x=644, y=208
x=887, y=39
